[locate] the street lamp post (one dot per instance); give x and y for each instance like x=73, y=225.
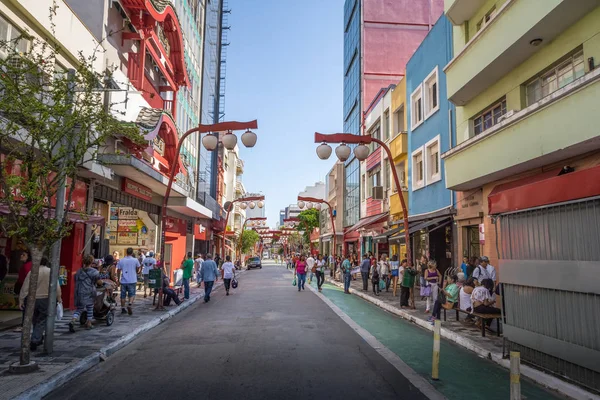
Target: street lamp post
x=210, y=142
x=362, y=152
x=306, y=201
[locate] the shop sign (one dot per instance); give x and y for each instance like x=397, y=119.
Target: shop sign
x=136, y=189
x=127, y=225
x=200, y=232
x=481, y=234
x=126, y=238
x=127, y=213
x=470, y=204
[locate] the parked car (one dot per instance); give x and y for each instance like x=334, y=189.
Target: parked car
x=253, y=262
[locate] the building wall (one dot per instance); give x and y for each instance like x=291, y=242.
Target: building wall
x=433, y=54
x=398, y=144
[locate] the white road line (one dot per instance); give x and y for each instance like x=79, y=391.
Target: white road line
x=418, y=381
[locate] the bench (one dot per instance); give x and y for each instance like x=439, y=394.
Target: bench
x=484, y=317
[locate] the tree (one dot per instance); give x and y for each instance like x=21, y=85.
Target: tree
x=295, y=242
x=309, y=220
x=52, y=124
x=249, y=239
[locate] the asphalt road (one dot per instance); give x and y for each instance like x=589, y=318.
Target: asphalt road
x=265, y=341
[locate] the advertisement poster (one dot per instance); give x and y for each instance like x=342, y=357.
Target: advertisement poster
x=127, y=225
x=127, y=238
x=128, y=213
x=8, y=299
x=114, y=213
x=112, y=237
x=113, y=225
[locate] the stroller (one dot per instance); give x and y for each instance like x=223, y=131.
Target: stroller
x=104, y=308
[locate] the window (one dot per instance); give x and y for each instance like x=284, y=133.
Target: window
x=399, y=119
x=363, y=187
x=486, y=19
x=433, y=160
x=418, y=170
x=416, y=100
x=387, y=176
x=401, y=171
x=10, y=33
x=386, y=125
x=558, y=77
x=373, y=181
x=375, y=133
x=489, y=117
x=431, y=93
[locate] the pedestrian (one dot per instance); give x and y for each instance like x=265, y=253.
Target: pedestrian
x=482, y=300
x=300, y=272
x=320, y=272
x=365, y=267
x=168, y=293
x=432, y=279
x=395, y=271
x=347, y=271
x=451, y=296
x=108, y=275
x=148, y=264
x=384, y=269
x=115, y=255
x=209, y=276
x=465, y=296
x=473, y=263
x=331, y=262
x=127, y=268
x=25, y=269
x=217, y=260
x=198, y=267
x=355, y=261
x=375, y=275
x=407, y=283
x=310, y=266
x=40, y=311
x=188, y=271
x=485, y=271
x=85, y=292
x=464, y=266
x=228, y=273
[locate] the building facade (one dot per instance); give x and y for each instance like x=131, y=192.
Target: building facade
x=430, y=128
x=526, y=164
x=335, y=192
x=371, y=29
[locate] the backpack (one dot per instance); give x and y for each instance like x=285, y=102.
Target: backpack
x=375, y=275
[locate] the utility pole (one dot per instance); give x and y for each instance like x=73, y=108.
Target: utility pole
x=55, y=250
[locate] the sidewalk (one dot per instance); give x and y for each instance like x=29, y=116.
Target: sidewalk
x=462, y=333
x=75, y=353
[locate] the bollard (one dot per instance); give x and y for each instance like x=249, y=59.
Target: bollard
x=515, y=375
x=435, y=365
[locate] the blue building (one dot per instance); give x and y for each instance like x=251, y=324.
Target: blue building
x=430, y=128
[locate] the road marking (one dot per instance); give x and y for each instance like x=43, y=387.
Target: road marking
x=417, y=380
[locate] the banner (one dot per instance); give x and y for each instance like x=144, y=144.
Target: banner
x=127, y=238
x=127, y=225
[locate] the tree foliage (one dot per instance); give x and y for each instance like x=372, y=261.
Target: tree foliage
x=249, y=239
x=309, y=220
x=52, y=123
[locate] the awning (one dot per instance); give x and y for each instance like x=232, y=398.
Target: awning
x=364, y=222
x=429, y=224
x=544, y=189
x=71, y=216
x=398, y=237
x=385, y=235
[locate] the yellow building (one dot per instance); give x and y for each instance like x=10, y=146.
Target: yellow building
x=526, y=166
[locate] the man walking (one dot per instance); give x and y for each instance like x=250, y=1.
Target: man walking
x=208, y=275
x=198, y=267
x=346, y=270
x=148, y=264
x=408, y=281
x=228, y=273
x=365, y=266
x=128, y=267
x=310, y=263
x=188, y=268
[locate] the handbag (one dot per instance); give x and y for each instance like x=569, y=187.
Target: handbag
x=442, y=297
x=60, y=312
x=426, y=291
x=234, y=283
x=294, y=281
x=382, y=284
x=314, y=269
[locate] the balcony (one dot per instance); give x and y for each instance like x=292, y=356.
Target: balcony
x=240, y=190
x=395, y=204
x=460, y=11
x=399, y=146
x=239, y=167
x=504, y=42
x=559, y=126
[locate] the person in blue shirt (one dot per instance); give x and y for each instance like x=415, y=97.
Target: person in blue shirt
x=365, y=267
x=464, y=266
x=208, y=274
x=346, y=268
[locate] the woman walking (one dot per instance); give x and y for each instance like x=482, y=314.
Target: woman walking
x=384, y=269
x=300, y=272
x=85, y=292
x=395, y=271
x=320, y=272
x=432, y=279
x=375, y=275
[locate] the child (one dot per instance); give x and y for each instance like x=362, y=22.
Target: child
x=85, y=292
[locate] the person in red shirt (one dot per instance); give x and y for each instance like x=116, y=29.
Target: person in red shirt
x=300, y=271
x=23, y=272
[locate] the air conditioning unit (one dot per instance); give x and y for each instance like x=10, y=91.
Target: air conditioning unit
x=377, y=193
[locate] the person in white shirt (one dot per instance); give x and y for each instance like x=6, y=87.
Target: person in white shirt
x=485, y=271
x=127, y=268
x=198, y=267
x=228, y=273
x=310, y=263
x=148, y=264
x=320, y=272
x=384, y=269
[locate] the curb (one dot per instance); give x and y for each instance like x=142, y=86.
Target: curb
x=79, y=367
x=537, y=376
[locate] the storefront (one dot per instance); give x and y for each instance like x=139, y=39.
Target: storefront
x=431, y=236
x=202, y=236
x=469, y=223
x=351, y=240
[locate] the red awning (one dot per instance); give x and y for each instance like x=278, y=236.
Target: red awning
x=544, y=189
x=365, y=222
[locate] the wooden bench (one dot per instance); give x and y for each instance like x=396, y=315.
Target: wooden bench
x=484, y=317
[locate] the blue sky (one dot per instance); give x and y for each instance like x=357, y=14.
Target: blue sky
x=284, y=68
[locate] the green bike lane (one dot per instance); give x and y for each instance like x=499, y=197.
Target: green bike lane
x=463, y=374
